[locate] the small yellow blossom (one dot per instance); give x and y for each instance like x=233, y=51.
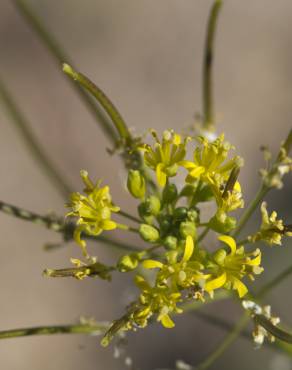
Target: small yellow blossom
x=165, y=156
x=178, y=274
x=210, y=165
x=272, y=229
x=230, y=268
x=93, y=211
x=160, y=300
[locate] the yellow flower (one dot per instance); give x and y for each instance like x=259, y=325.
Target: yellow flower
x=209, y=163
x=160, y=300
x=93, y=210
x=230, y=268
x=272, y=230
x=164, y=158
x=179, y=274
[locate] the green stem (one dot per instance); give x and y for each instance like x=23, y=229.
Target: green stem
x=58, y=224
x=225, y=344
x=96, y=329
x=27, y=135
x=207, y=66
x=204, y=233
x=103, y=100
x=250, y=209
x=130, y=217
x=60, y=55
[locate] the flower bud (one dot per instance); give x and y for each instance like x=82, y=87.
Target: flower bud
x=136, y=184
x=180, y=213
x=128, y=262
x=152, y=204
x=165, y=223
x=188, y=228
x=193, y=215
x=222, y=223
x=149, y=233
x=170, y=242
x=169, y=193
x=219, y=256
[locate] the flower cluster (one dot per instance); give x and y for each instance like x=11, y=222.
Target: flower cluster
x=178, y=263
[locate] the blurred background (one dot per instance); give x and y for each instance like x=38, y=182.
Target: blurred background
x=147, y=56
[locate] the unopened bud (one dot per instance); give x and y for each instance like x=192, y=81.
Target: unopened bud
x=136, y=184
x=149, y=233
x=188, y=228
x=169, y=193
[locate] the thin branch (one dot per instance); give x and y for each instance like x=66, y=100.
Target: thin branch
x=58, y=224
x=60, y=56
x=31, y=142
x=93, y=329
x=208, y=108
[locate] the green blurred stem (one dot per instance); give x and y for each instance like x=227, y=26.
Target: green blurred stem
x=103, y=100
x=60, y=56
x=229, y=339
x=208, y=108
x=58, y=224
x=96, y=329
x=130, y=217
x=204, y=233
x=31, y=142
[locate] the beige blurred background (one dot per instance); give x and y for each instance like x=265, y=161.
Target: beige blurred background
x=147, y=56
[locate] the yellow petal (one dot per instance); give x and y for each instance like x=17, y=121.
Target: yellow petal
x=240, y=287
x=152, y=264
x=176, y=139
x=215, y=283
x=237, y=187
x=256, y=261
x=197, y=171
x=229, y=241
x=108, y=225
x=161, y=176
x=187, y=164
x=167, y=322
x=189, y=249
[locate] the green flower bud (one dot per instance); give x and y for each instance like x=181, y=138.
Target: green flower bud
x=149, y=233
x=170, y=242
x=152, y=205
x=169, y=193
x=222, y=223
x=188, y=228
x=180, y=213
x=136, y=184
x=193, y=215
x=165, y=222
x=219, y=256
x=171, y=170
x=128, y=262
